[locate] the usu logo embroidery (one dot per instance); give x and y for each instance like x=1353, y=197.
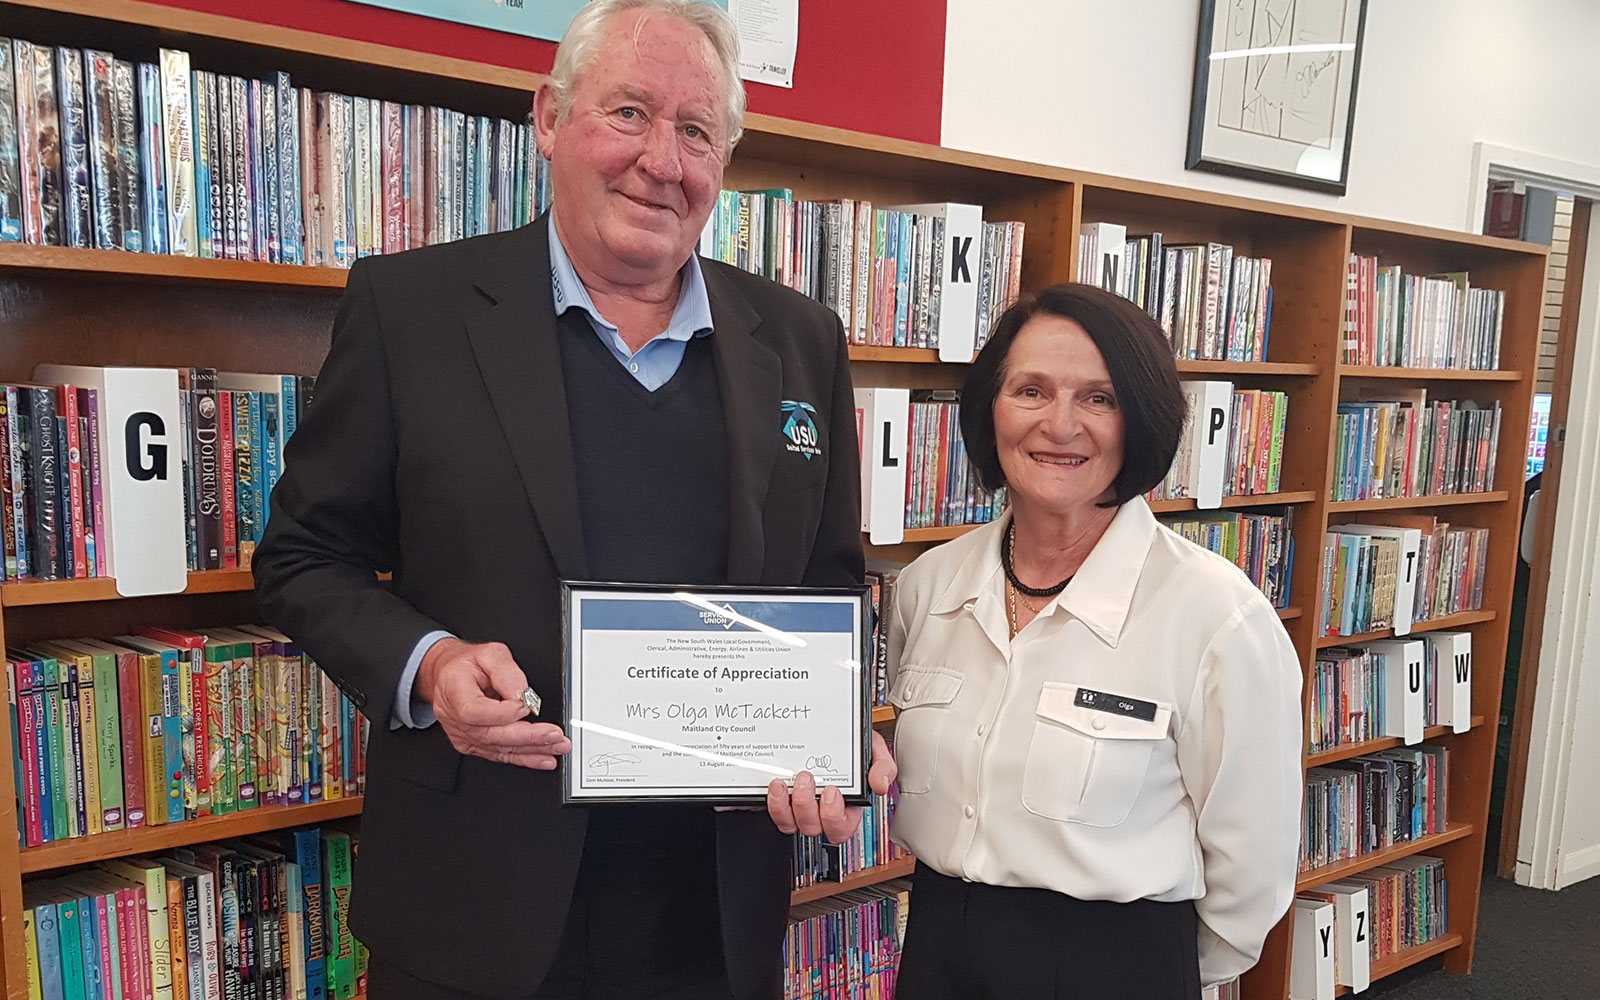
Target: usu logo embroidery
x=800, y=429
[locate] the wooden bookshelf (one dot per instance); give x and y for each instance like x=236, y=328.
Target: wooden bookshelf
x=1246, y=369
x=1364, y=862
x=1429, y=374
x=148, y=839
x=17, y=595
x=899, y=868
x=882, y=714
x=1407, y=957
x=1461, y=620
x=1345, y=751
x=91, y=307
x=1236, y=502
x=1410, y=503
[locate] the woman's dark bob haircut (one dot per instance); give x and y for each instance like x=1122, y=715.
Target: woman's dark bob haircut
x=1143, y=375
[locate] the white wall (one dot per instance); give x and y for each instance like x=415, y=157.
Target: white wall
x=1105, y=87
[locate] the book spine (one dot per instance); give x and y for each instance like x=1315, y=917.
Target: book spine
x=43, y=484
x=77, y=229
x=207, y=497
x=130, y=195
x=132, y=725
x=228, y=481
x=100, y=99
x=179, y=151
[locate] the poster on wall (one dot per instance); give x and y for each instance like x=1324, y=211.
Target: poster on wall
x=534, y=18
x=1275, y=90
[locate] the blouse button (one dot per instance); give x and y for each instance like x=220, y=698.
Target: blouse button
x=968, y=811
x=982, y=730
x=1099, y=723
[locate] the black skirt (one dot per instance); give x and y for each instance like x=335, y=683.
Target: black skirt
x=982, y=942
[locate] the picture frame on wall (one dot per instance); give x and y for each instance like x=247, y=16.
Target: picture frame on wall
x=1274, y=94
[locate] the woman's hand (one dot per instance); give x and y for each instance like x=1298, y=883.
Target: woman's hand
x=802, y=809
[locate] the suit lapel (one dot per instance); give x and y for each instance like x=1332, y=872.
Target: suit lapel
x=513, y=337
x=750, y=379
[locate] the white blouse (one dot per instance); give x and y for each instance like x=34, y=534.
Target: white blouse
x=1139, y=739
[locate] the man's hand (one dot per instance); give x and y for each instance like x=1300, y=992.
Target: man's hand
x=802, y=810
x=476, y=692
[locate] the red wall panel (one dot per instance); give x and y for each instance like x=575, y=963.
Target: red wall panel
x=868, y=66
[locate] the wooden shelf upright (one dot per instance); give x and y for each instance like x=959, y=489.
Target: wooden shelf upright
x=99, y=308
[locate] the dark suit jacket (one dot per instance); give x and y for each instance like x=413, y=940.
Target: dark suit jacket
x=438, y=448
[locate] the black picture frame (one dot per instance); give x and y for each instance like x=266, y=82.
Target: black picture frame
x=1285, y=132
x=861, y=595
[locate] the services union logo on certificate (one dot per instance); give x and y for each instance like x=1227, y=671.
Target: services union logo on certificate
x=708, y=693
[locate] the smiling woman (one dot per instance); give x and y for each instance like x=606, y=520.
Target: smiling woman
x=1135, y=699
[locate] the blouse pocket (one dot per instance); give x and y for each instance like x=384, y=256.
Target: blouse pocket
x=1086, y=765
x=922, y=696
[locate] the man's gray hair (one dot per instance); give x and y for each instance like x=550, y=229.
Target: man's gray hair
x=579, y=43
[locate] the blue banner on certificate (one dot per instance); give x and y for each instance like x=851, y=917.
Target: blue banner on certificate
x=706, y=694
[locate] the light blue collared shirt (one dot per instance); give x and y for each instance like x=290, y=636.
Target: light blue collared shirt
x=653, y=365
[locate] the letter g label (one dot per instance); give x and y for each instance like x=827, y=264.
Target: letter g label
x=146, y=461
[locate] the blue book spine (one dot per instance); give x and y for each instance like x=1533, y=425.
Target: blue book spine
x=47, y=932
x=16, y=750
x=258, y=507
x=289, y=169
x=52, y=733
x=89, y=944
x=304, y=848
x=288, y=412
x=172, y=733
x=71, y=950
x=200, y=116
x=152, y=161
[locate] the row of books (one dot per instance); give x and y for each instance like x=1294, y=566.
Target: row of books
x=914, y=467
x=847, y=945
x=1212, y=304
x=932, y=275
x=158, y=157
x=168, y=725
x=1232, y=444
x=56, y=481
x=882, y=575
x=816, y=861
x=1391, y=688
x=1413, y=321
x=254, y=919
x=1413, y=448
x=1342, y=928
x=1369, y=803
x=1260, y=544
x=1377, y=576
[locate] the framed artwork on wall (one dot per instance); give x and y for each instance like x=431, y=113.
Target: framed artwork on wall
x=1275, y=90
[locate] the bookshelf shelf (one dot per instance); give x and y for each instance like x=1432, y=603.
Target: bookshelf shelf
x=1246, y=368
x=1289, y=614
x=898, y=868
x=1346, y=751
x=1431, y=625
x=882, y=714
x=940, y=534
x=1390, y=964
x=1405, y=503
x=16, y=595
x=1231, y=503
x=161, y=267
x=898, y=355
x=1362, y=862
x=145, y=839
x=1429, y=374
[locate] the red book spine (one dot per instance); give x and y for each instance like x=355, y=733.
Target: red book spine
x=72, y=462
x=128, y=687
x=22, y=677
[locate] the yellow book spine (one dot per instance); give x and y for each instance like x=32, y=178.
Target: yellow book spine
x=93, y=811
x=155, y=748
x=30, y=945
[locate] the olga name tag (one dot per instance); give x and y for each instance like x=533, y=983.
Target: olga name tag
x=1115, y=704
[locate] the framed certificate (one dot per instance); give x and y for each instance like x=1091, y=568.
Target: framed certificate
x=707, y=694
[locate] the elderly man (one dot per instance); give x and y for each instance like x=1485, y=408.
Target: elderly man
x=584, y=399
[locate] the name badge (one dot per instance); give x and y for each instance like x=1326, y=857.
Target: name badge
x=1115, y=704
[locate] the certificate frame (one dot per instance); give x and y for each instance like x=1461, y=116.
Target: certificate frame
x=709, y=607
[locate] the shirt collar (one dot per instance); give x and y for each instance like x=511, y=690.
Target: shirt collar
x=1101, y=592
x=691, y=317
